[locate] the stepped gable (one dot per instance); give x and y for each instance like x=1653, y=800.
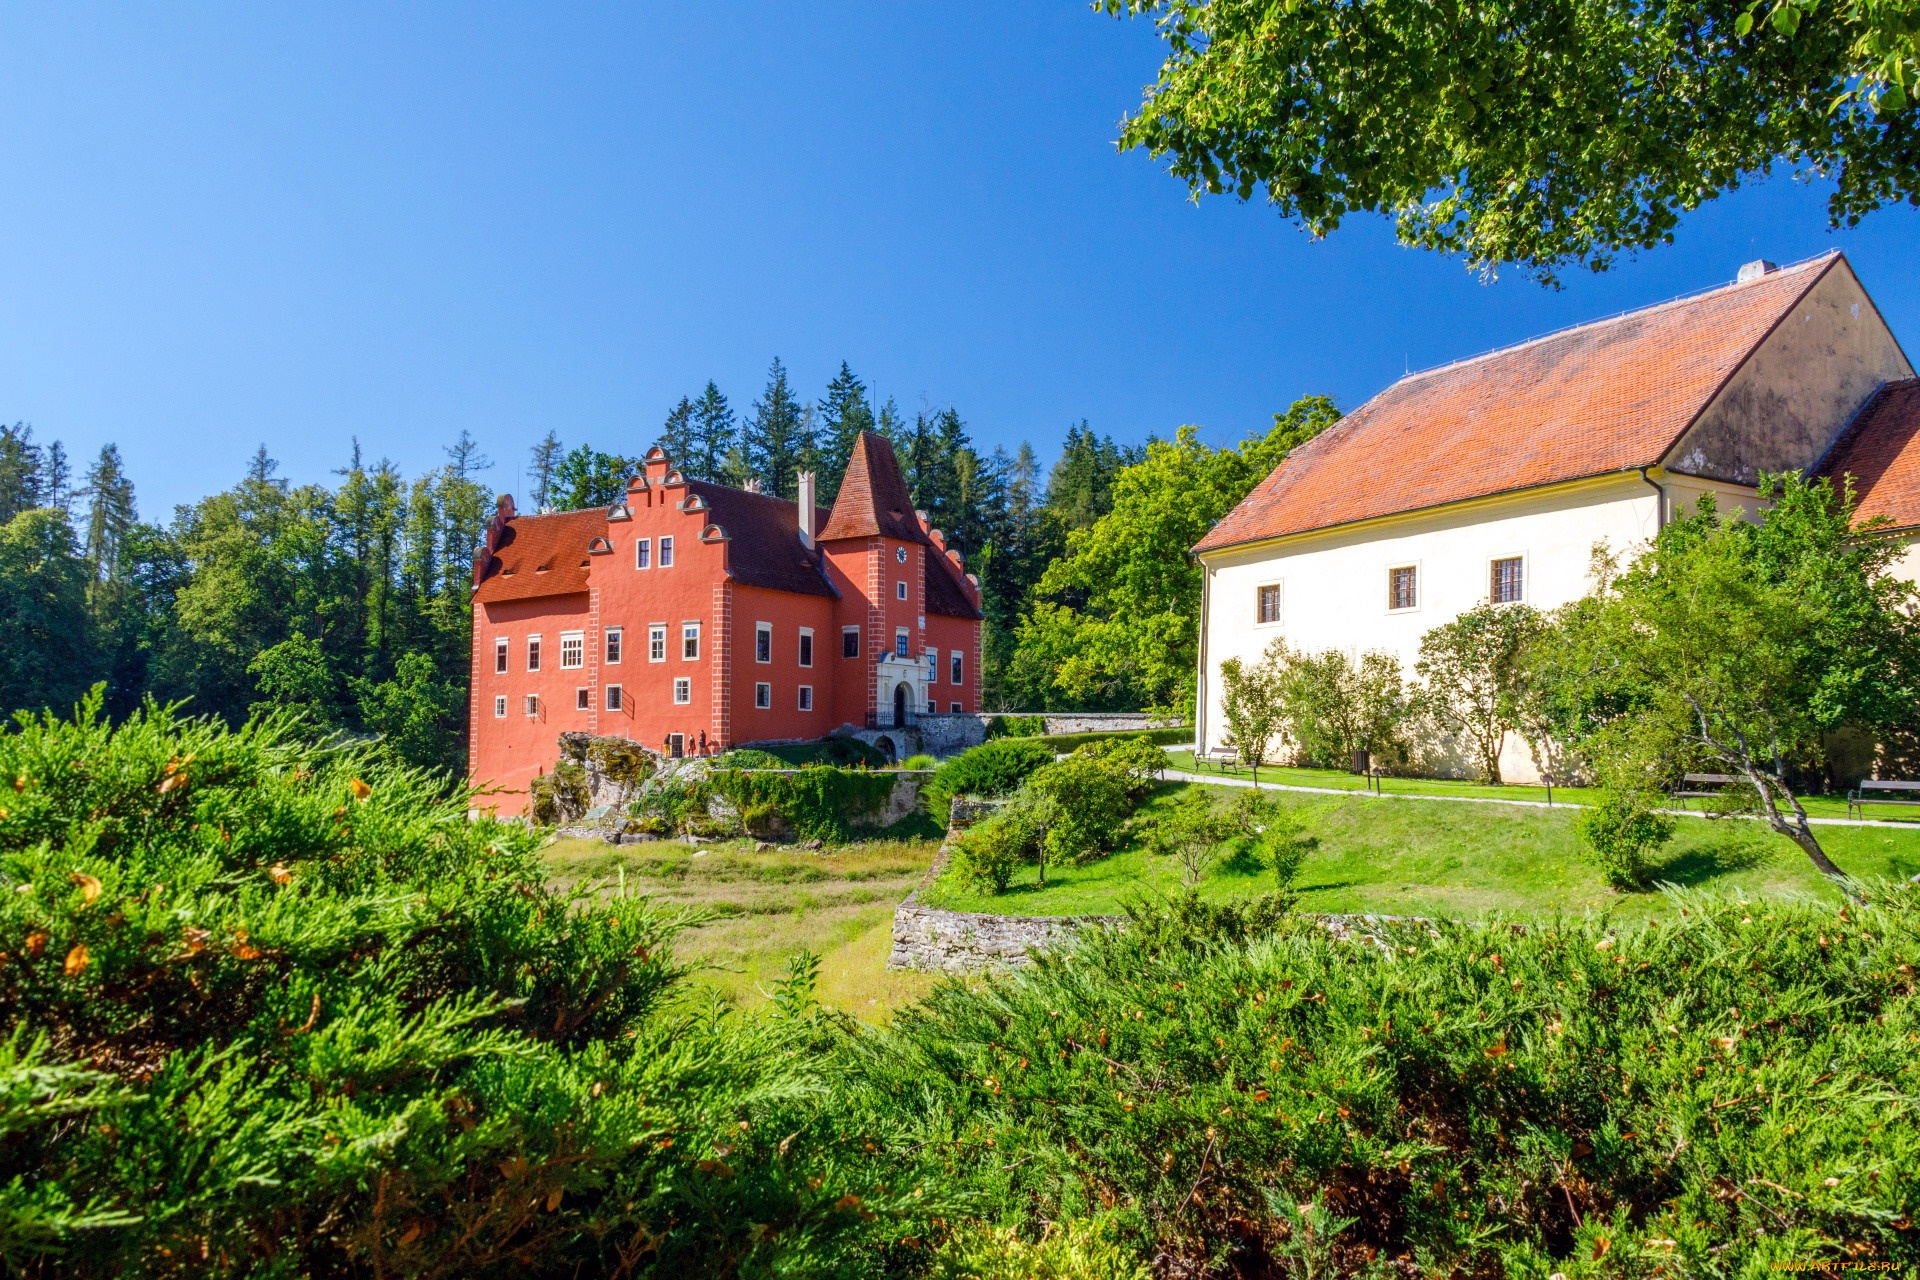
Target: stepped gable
x=763, y=540
x=873, y=499
x=1603, y=397
x=1881, y=451
x=543, y=555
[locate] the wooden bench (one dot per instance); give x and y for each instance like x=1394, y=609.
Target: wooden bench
x=1859, y=797
x=1692, y=786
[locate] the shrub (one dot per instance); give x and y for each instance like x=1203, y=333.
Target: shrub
x=1087, y=801
x=987, y=855
x=1015, y=727
x=921, y=761
x=671, y=807
x=1168, y=737
x=750, y=758
x=814, y=803
x=1252, y=702
x=1620, y=830
x=991, y=769
x=268, y=1009
x=1337, y=705
x=1190, y=831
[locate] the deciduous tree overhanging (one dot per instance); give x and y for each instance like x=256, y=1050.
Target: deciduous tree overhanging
x=1541, y=135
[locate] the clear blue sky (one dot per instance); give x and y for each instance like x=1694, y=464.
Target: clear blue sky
x=224, y=225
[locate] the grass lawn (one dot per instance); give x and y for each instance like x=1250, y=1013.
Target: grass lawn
x=837, y=903
x=1340, y=780
x=1432, y=858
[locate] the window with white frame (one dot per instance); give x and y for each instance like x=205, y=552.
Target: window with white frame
x=689, y=641
x=500, y=707
x=682, y=691
x=956, y=667
x=899, y=591
x=666, y=553
x=1507, y=580
x=615, y=698
x=1269, y=603
x=933, y=666
x=1403, y=587
x=573, y=650
x=900, y=642
x=933, y=707
x=533, y=704
x=643, y=553
x=806, y=646
x=763, y=695
x=849, y=642
x=763, y=642
x=533, y=653
x=657, y=642
x=500, y=647
x=613, y=646
x=583, y=699
x=806, y=697
x=954, y=707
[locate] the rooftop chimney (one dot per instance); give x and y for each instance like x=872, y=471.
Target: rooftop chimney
x=751, y=484
x=1757, y=268
x=804, y=500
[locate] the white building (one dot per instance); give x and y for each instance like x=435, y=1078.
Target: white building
x=1494, y=478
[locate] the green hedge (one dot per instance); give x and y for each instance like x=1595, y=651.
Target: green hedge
x=815, y=803
x=1159, y=737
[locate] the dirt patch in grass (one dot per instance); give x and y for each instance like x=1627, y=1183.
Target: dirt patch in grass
x=771, y=905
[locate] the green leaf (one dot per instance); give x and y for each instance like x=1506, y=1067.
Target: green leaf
x=1786, y=19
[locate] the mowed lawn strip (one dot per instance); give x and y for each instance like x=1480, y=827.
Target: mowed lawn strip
x=771, y=905
x=1341, y=780
x=1432, y=858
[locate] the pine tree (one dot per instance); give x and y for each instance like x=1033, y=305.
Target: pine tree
x=57, y=479
x=713, y=436
x=464, y=458
x=844, y=414
x=546, y=456
x=774, y=443
x=261, y=468
x=22, y=484
x=676, y=437
x=1080, y=489
x=110, y=518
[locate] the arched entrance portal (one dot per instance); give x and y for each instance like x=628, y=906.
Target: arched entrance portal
x=900, y=695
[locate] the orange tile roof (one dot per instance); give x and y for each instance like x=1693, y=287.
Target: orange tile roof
x=873, y=497
x=1882, y=453
x=1599, y=398
x=541, y=556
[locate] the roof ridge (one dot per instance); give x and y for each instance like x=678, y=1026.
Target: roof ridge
x=1677, y=300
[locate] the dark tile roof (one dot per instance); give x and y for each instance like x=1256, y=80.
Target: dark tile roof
x=873, y=497
x=947, y=594
x=764, y=547
x=1603, y=397
x=1881, y=451
x=541, y=556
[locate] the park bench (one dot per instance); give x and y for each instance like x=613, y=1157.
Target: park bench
x=1859, y=796
x=1220, y=756
x=1693, y=786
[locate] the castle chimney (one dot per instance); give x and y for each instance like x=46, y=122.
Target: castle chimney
x=1755, y=269
x=752, y=484
x=804, y=500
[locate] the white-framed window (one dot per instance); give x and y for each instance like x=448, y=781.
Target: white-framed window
x=900, y=642
x=763, y=642
x=657, y=642
x=933, y=707
x=763, y=695
x=666, y=553
x=956, y=667
x=682, y=691
x=613, y=646
x=1507, y=580
x=1403, y=588
x=954, y=707
x=933, y=666
x=643, y=553
x=899, y=591
x=689, y=641
x=849, y=642
x=532, y=703
x=1267, y=606
x=615, y=698
x=676, y=745
x=583, y=699
x=500, y=647
x=500, y=707
x=806, y=646
x=573, y=650
x=533, y=653
x=806, y=697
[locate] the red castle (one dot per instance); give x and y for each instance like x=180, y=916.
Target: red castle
x=693, y=617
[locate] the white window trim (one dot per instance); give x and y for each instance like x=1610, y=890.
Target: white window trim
x=502, y=654
x=1280, y=586
x=954, y=708
x=933, y=665
x=534, y=655
x=956, y=657
x=933, y=706
x=762, y=629
x=657, y=630
x=855, y=633
x=531, y=703
x=901, y=644
x=642, y=554
x=578, y=639
x=665, y=559
x=805, y=651
x=1419, y=585
x=900, y=590
x=762, y=696
x=614, y=699
x=683, y=685
x=500, y=706
x=804, y=699
x=694, y=628
x=582, y=698
x=615, y=645
x=1526, y=576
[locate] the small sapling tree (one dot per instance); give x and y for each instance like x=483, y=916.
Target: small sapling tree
x=1471, y=674
x=1252, y=701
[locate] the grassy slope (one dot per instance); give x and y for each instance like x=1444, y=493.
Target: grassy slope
x=1433, y=858
x=838, y=904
